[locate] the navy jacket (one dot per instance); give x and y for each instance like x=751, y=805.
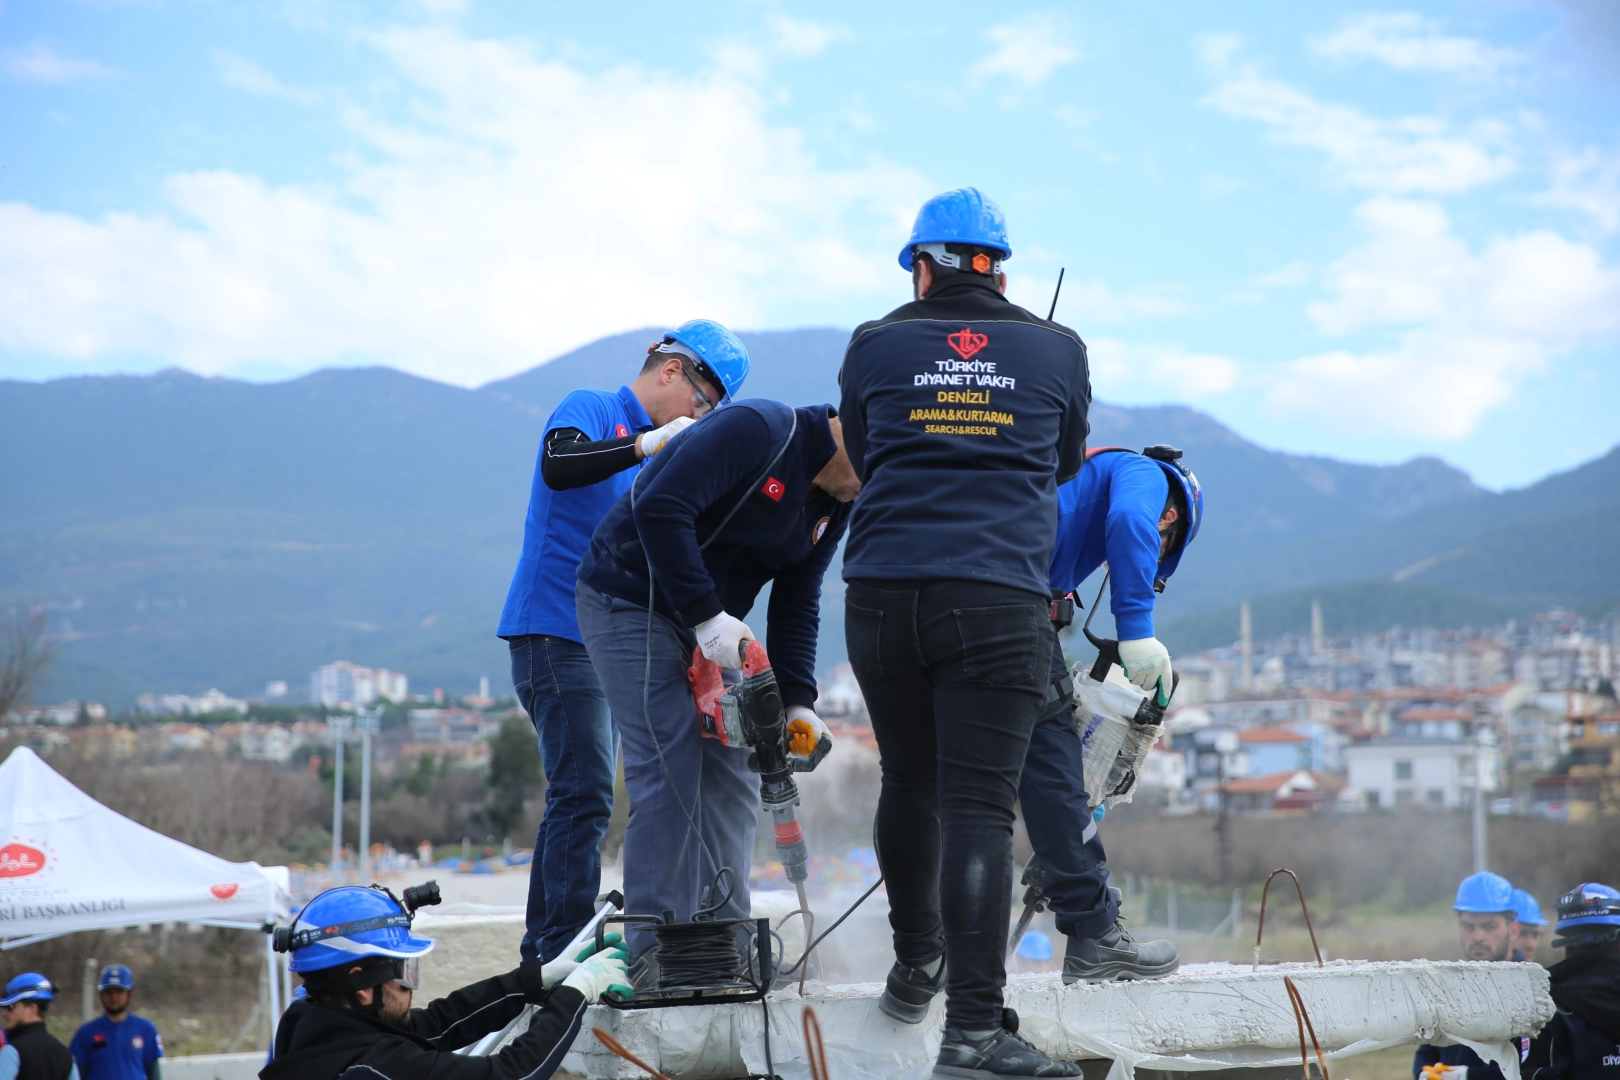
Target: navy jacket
x=1582, y=1041
x=962, y=413
x=714, y=485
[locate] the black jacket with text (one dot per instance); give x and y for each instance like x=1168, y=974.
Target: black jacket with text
x=962, y=413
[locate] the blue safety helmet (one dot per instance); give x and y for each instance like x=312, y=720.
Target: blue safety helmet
x=29, y=986
x=1189, y=498
x=962, y=216
x=116, y=977
x=349, y=924
x=1588, y=914
x=1485, y=893
x=1035, y=945
x=1526, y=908
x=720, y=356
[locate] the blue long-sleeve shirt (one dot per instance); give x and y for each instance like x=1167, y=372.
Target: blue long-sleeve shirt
x=784, y=530
x=1110, y=512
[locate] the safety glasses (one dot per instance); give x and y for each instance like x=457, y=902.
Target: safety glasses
x=701, y=405
x=408, y=973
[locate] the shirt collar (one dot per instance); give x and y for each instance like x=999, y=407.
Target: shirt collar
x=639, y=420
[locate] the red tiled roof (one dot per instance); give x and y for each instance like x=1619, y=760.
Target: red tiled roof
x=1257, y=736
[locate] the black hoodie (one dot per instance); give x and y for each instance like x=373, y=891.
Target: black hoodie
x=1582, y=1042
x=320, y=1042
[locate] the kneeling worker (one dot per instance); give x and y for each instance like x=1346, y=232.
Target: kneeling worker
x=354, y=948
x=1137, y=512
x=757, y=493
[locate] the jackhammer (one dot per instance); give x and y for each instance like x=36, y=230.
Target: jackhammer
x=751, y=714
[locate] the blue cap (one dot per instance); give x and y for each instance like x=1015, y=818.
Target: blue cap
x=1526, y=908
x=1035, y=945
x=380, y=927
x=722, y=357
x=1485, y=893
x=116, y=977
x=961, y=216
x=29, y=986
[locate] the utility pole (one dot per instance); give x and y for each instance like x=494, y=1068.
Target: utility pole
x=368, y=725
x=339, y=726
x=1246, y=632
x=1480, y=745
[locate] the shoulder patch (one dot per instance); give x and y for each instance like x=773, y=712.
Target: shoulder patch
x=621, y=431
x=819, y=531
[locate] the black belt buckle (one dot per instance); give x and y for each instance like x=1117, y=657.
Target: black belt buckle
x=1061, y=611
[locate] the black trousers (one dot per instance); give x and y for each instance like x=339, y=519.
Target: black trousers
x=954, y=674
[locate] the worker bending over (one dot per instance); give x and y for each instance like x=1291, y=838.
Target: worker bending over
x=592, y=448
x=962, y=412
x=357, y=956
x=1138, y=513
x=1582, y=1041
x=1486, y=921
x=757, y=493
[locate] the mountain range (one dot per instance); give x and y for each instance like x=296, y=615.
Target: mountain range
x=186, y=532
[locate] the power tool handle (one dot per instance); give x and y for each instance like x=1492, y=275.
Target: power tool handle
x=1107, y=655
x=808, y=764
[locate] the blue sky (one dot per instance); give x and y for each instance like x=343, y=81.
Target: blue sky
x=1370, y=232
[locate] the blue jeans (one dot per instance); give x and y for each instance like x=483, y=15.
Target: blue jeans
x=693, y=802
x=558, y=688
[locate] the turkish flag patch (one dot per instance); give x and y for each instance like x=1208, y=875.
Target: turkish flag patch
x=623, y=431
x=774, y=489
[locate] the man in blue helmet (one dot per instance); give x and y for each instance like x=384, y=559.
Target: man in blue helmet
x=40, y=1055
x=963, y=413
x=117, y=1045
x=1138, y=513
x=1582, y=1041
x=1527, y=915
x=756, y=494
x=357, y=956
x=592, y=448
x=1486, y=921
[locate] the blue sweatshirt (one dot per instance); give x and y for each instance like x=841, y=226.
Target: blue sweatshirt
x=777, y=528
x=1110, y=512
x=962, y=412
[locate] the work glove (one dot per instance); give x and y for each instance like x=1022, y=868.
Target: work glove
x=1147, y=664
x=721, y=639
x=805, y=730
x=603, y=973
x=653, y=441
x=562, y=967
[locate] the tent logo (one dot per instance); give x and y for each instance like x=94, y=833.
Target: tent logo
x=224, y=892
x=20, y=860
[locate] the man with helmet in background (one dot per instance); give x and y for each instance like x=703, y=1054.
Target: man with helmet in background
x=117, y=1045
x=592, y=448
x=1527, y=913
x=963, y=413
x=1137, y=513
x=40, y=1055
x=355, y=951
x=1582, y=1041
x=1486, y=920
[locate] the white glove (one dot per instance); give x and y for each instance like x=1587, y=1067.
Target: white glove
x=1147, y=664
x=721, y=639
x=604, y=973
x=805, y=730
x=651, y=442
x=562, y=967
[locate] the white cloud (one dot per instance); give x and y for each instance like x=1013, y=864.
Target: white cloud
x=1468, y=325
x=1588, y=182
x=1136, y=373
x=523, y=208
x=802, y=37
x=1407, y=41
x=41, y=64
x=1027, y=51
x=244, y=74
x=1404, y=155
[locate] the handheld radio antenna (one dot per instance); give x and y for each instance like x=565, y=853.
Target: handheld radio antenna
x=1053, y=309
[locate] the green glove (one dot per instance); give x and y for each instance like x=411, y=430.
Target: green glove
x=609, y=941
x=602, y=973
x=562, y=967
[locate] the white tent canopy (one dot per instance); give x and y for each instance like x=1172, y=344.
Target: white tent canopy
x=67, y=863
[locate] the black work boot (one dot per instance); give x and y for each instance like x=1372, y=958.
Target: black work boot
x=1117, y=955
x=998, y=1053
x=910, y=989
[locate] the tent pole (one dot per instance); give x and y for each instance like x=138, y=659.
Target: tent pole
x=286, y=980
x=272, y=963
x=339, y=724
